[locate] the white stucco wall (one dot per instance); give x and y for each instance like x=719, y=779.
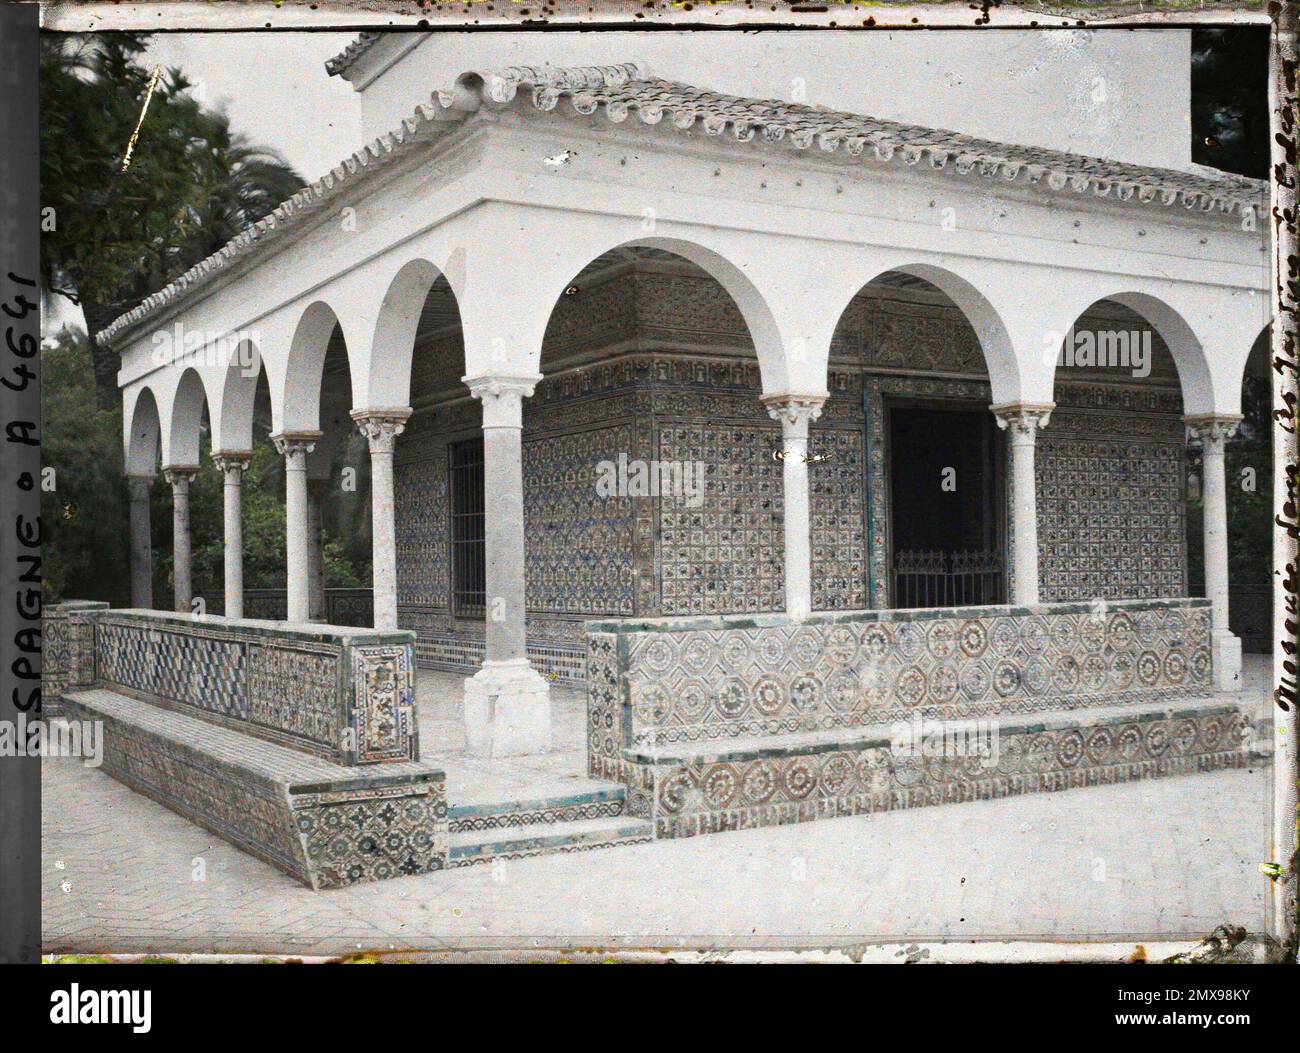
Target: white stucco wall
x=1109, y=93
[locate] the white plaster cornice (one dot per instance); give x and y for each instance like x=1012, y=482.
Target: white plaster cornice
x=620, y=91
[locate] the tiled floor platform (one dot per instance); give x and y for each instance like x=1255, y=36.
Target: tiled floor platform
x=1169, y=858
x=473, y=780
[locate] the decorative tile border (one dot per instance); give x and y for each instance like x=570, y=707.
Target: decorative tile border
x=341, y=694
x=693, y=680
x=713, y=794
x=67, y=650
x=325, y=825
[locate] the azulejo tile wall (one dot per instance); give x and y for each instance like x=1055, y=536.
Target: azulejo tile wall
x=739, y=791
x=727, y=679
x=298, y=746
x=67, y=650
x=723, y=723
x=349, y=696
x=325, y=825
x=656, y=364
x=1111, y=473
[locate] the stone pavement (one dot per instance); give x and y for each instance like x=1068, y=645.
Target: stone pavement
x=1167, y=858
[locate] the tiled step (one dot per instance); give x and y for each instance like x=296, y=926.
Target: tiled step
x=515, y=842
x=593, y=800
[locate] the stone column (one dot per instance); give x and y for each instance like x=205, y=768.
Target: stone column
x=180, y=476
x=1021, y=421
x=381, y=427
x=231, y=464
x=796, y=412
x=1211, y=432
x=294, y=447
x=141, y=542
x=315, y=552
x=507, y=702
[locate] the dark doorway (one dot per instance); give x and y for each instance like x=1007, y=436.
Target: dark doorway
x=945, y=500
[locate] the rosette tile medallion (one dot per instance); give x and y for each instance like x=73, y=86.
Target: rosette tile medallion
x=725, y=723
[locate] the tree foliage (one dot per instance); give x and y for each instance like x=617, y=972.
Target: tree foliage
x=114, y=233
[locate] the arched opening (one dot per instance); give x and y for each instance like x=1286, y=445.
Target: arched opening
x=318, y=398
x=144, y=437
x=189, y=445
x=917, y=364
x=1250, y=506
x=1113, y=521
x=147, y=502
x=438, y=519
x=650, y=481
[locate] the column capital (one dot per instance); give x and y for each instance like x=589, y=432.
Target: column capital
x=180, y=474
x=502, y=396
x=795, y=412
x=139, y=485
x=293, y=443
x=1211, y=430
x=1022, y=420
x=232, y=463
x=381, y=427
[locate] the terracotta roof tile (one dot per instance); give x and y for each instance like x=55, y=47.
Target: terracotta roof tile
x=623, y=90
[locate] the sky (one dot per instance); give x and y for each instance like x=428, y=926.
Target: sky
x=276, y=91
x=275, y=88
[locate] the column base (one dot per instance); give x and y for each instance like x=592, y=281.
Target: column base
x=507, y=710
x=1225, y=654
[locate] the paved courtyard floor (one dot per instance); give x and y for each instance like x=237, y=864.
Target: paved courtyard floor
x=1162, y=859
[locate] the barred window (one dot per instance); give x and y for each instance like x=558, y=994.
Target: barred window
x=468, y=557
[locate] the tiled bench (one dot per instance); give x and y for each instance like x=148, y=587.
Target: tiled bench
x=726, y=723
x=325, y=824
x=298, y=744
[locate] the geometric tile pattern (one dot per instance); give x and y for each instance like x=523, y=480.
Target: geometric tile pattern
x=372, y=834
x=713, y=795
x=656, y=363
x=718, y=727
x=347, y=695
x=729, y=677
x=67, y=650
x=324, y=824
x=579, y=551
x=383, y=711
x=725, y=555
x=420, y=514
x=1112, y=510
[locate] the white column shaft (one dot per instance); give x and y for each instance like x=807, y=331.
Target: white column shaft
x=1215, y=501
x=182, y=590
x=294, y=448
x=315, y=554
x=296, y=550
x=507, y=703
x=381, y=429
x=1024, y=512
x=1022, y=422
x=503, y=485
x=141, y=543
x=796, y=413
x=232, y=478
